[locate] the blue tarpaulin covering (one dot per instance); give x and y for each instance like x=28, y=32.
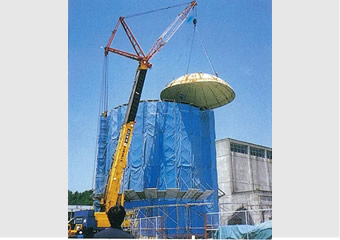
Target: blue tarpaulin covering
x=173, y=146
x=261, y=231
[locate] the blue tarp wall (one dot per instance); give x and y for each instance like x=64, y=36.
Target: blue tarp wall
x=173, y=146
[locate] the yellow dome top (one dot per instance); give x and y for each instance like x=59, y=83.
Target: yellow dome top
x=202, y=90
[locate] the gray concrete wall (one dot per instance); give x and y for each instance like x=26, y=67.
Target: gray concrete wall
x=239, y=172
x=224, y=167
x=245, y=179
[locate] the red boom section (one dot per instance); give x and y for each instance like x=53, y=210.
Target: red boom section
x=160, y=42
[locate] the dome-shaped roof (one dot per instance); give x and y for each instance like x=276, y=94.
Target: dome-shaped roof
x=202, y=90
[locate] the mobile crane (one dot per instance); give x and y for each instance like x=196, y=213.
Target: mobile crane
x=111, y=195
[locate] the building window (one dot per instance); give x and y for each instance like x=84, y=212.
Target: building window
x=257, y=152
x=269, y=154
x=234, y=147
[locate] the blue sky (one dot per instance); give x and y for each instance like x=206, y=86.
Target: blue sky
x=236, y=33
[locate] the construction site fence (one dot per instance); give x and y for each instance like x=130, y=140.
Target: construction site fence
x=248, y=217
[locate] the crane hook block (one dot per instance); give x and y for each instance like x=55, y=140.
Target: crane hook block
x=194, y=21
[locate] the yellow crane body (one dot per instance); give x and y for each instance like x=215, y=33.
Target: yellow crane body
x=111, y=196
x=117, y=170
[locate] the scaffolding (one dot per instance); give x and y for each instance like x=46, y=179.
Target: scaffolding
x=168, y=221
x=256, y=212
x=184, y=221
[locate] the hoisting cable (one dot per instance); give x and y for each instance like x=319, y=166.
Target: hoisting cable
x=103, y=107
x=155, y=10
x=106, y=83
x=206, y=54
x=188, y=39
x=194, y=21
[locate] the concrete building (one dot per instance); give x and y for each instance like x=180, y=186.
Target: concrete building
x=245, y=181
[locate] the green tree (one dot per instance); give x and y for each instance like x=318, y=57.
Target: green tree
x=80, y=198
